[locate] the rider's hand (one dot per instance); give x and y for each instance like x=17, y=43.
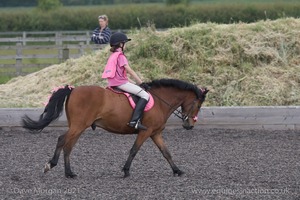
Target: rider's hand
x=145, y=86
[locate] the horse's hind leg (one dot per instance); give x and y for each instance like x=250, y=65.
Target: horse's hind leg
x=158, y=140
x=53, y=162
x=70, y=140
x=65, y=142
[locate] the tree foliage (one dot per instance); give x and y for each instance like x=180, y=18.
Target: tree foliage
x=138, y=15
x=174, y=2
x=46, y=5
x=33, y=3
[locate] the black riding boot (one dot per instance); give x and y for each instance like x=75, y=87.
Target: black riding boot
x=137, y=114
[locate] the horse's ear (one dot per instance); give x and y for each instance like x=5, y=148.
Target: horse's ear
x=204, y=90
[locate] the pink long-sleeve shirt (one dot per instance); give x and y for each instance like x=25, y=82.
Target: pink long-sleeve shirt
x=115, y=71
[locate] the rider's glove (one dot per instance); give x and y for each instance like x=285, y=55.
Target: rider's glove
x=145, y=86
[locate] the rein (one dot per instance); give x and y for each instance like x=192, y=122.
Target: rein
x=176, y=112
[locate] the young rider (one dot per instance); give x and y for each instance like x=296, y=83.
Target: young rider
x=115, y=71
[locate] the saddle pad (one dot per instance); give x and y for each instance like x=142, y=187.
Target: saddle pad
x=149, y=105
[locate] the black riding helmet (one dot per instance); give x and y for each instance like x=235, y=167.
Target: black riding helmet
x=118, y=38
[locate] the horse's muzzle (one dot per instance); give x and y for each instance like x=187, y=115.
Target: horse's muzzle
x=187, y=127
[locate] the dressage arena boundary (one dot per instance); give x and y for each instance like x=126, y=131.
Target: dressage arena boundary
x=269, y=118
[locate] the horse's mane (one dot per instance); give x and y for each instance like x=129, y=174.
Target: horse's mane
x=176, y=84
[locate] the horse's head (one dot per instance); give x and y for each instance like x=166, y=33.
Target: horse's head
x=181, y=94
x=190, y=108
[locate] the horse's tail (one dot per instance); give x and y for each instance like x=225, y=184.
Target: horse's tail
x=52, y=111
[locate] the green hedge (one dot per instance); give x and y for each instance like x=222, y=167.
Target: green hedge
x=85, y=18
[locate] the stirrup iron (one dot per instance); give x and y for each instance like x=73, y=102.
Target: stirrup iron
x=137, y=125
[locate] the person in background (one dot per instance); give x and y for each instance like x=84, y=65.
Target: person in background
x=101, y=34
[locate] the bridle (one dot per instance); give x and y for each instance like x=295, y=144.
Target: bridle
x=178, y=113
x=195, y=118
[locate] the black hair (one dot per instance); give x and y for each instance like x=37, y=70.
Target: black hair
x=177, y=84
x=115, y=47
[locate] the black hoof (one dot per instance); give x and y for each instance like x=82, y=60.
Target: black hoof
x=71, y=175
x=126, y=173
x=178, y=173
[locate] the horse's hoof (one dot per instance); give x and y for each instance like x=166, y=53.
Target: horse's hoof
x=126, y=173
x=178, y=173
x=47, y=167
x=71, y=175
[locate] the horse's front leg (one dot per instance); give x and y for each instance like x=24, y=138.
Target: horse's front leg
x=158, y=140
x=141, y=138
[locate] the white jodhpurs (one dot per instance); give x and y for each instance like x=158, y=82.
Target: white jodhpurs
x=134, y=89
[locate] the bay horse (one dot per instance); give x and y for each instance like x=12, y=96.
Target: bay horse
x=96, y=106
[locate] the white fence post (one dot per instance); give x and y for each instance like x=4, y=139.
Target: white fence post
x=24, y=38
x=19, y=59
x=58, y=38
x=88, y=38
